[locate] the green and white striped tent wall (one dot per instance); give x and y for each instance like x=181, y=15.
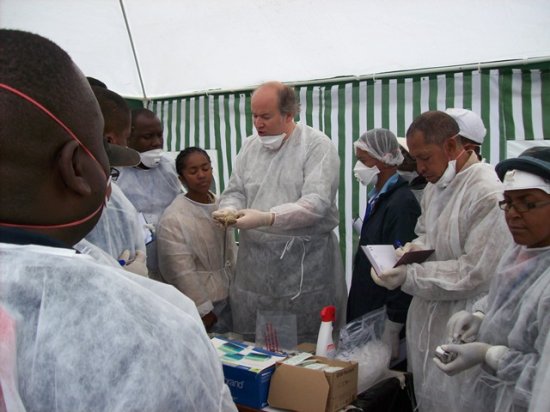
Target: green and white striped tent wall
x=514, y=103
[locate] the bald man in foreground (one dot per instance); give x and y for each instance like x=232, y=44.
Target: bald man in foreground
x=76, y=335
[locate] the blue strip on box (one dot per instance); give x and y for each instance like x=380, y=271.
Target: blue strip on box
x=247, y=387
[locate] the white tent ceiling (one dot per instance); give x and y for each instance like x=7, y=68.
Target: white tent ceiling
x=185, y=46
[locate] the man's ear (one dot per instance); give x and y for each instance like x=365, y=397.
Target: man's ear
x=70, y=169
x=450, y=146
x=289, y=118
x=110, y=139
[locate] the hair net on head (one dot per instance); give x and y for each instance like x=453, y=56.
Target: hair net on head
x=382, y=145
x=469, y=123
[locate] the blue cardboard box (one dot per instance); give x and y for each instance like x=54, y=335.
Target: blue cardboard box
x=247, y=371
x=247, y=387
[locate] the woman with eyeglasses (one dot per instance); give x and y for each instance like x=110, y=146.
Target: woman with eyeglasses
x=505, y=335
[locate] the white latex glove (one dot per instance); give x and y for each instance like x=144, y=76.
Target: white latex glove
x=468, y=355
x=409, y=247
x=252, y=218
x=390, y=279
x=137, y=265
x=391, y=337
x=463, y=326
x=226, y=216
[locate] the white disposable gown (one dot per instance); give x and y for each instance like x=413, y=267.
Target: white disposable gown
x=191, y=252
x=96, y=253
x=151, y=191
x=293, y=266
x=540, y=402
x=93, y=338
x=118, y=228
x=517, y=315
x=469, y=234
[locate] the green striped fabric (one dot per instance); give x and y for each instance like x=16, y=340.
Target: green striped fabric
x=514, y=104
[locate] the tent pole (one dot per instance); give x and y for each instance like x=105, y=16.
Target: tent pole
x=145, y=99
x=346, y=79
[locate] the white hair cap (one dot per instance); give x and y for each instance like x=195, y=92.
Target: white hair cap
x=382, y=145
x=470, y=124
x=519, y=180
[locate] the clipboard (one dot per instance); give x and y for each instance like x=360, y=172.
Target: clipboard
x=383, y=258
x=416, y=256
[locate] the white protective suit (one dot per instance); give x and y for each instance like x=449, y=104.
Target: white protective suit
x=96, y=253
x=540, y=402
x=191, y=252
x=517, y=315
x=293, y=266
x=118, y=227
x=469, y=234
x=151, y=191
x=94, y=338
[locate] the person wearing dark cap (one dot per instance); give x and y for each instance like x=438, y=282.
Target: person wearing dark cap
x=119, y=232
x=76, y=335
x=507, y=329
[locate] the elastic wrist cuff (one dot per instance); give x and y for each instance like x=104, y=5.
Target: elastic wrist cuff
x=494, y=354
x=205, y=308
x=393, y=326
x=479, y=314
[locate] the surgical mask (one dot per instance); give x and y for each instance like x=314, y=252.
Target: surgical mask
x=273, y=142
x=408, y=176
x=366, y=175
x=151, y=158
x=73, y=136
x=449, y=173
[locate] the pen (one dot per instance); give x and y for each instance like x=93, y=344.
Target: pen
x=397, y=244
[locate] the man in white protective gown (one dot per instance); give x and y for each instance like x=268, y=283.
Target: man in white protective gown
x=461, y=220
x=119, y=229
x=283, y=189
x=153, y=184
x=502, y=339
x=76, y=335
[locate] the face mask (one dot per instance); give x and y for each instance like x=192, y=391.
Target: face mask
x=272, y=142
x=151, y=158
x=366, y=175
x=73, y=136
x=449, y=173
x=408, y=176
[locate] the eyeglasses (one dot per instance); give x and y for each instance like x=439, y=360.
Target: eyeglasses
x=115, y=173
x=521, y=207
